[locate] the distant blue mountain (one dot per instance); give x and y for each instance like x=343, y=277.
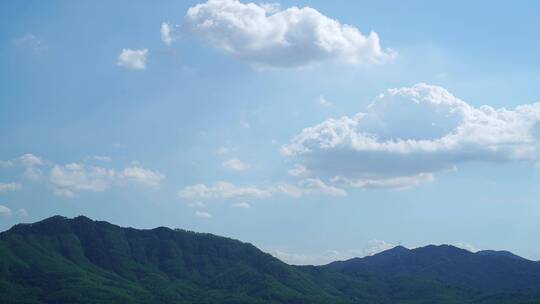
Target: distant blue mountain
x=490, y=271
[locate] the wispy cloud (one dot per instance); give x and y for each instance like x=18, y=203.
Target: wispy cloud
x=203, y=214
x=235, y=164
x=323, y=102
x=227, y=190
x=30, y=41
x=7, y=187
x=241, y=205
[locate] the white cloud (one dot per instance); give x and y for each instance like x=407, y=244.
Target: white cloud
x=307, y=186
x=221, y=190
x=241, y=205
x=166, y=33
x=33, y=173
x=25, y=160
x=398, y=182
x=235, y=165
x=203, y=214
x=286, y=189
x=324, y=102
x=100, y=158
x=264, y=35
x=226, y=190
x=30, y=160
x=64, y=193
x=5, y=211
x=21, y=212
x=70, y=179
x=408, y=134
x=317, y=186
x=142, y=176
x=133, y=59
x=197, y=204
x=6, y=187
x=74, y=177
x=30, y=41
x=299, y=171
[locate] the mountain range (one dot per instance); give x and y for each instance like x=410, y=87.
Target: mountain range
x=61, y=260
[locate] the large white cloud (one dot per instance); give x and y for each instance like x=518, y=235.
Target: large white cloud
x=266, y=36
x=408, y=134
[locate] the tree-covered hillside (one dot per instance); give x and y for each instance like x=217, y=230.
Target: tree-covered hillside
x=60, y=260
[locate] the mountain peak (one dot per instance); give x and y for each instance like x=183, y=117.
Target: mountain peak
x=399, y=248
x=82, y=218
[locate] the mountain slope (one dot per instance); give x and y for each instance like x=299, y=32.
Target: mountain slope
x=62, y=257
x=60, y=260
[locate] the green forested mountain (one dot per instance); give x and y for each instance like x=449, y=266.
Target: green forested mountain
x=60, y=260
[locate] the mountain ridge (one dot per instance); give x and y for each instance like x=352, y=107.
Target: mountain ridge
x=79, y=260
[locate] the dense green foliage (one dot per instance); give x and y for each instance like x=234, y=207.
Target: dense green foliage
x=62, y=260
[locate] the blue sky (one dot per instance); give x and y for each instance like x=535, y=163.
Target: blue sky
x=148, y=115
